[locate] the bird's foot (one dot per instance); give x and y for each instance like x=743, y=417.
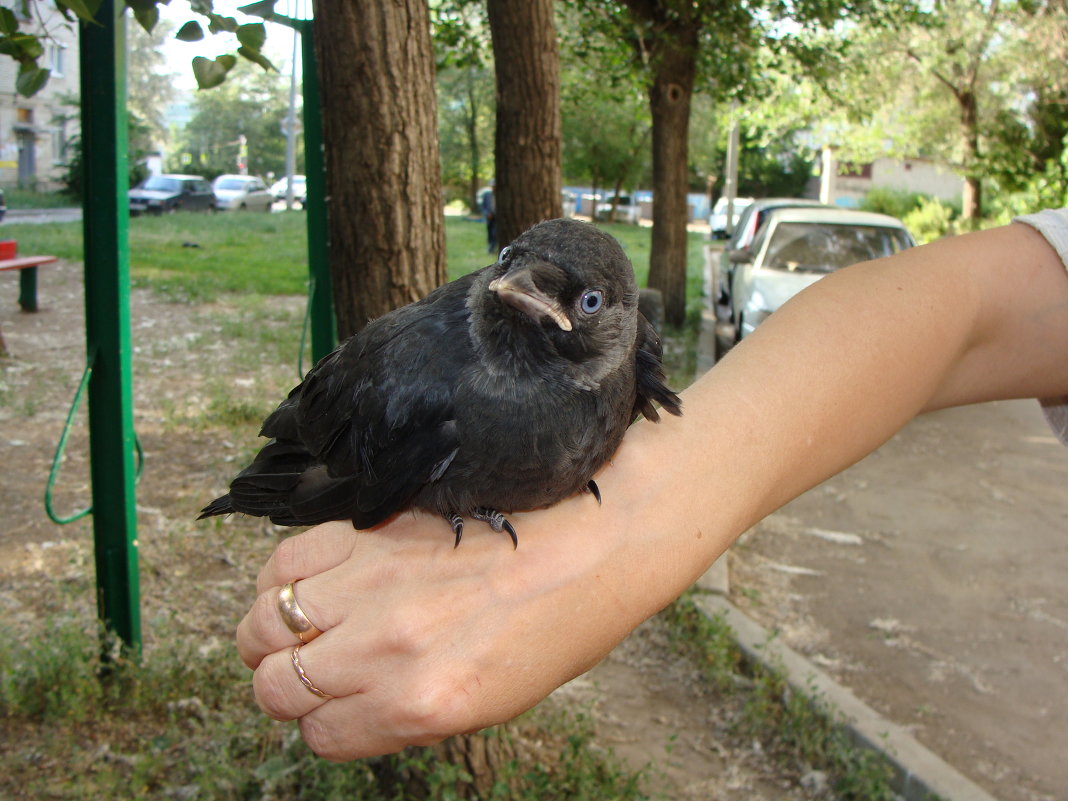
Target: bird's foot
x=593, y=489
x=457, y=523
x=497, y=522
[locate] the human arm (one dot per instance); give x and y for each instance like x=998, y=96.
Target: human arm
x=422, y=640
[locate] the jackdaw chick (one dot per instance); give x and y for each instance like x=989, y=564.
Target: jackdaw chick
x=502, y=391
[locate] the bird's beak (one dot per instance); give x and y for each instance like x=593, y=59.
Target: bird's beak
x=517, y=289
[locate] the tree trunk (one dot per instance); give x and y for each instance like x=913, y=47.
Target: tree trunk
x=528, y=138
x=971, y=200
x=387, y=232
x=674, y=68
x=475, y=152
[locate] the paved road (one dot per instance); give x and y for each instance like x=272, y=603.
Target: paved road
x=41, y=215
x=929, y=578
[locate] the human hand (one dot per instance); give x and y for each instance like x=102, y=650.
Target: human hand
x=422, y=640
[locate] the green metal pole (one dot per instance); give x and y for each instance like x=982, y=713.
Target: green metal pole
x=107, y=320
x=323, y=327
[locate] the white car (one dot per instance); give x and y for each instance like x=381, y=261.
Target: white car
x=300, y=189
x=717, y=220
x=241, y=193
x=797, y=247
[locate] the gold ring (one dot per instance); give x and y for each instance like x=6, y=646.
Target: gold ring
x=293, y=616
x=304, y=676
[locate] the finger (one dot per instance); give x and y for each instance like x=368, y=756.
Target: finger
x=278, y=687
x=264, y=630
x=307, y=554
x=358, y=726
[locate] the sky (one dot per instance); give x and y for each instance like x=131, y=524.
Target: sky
x=179, y=55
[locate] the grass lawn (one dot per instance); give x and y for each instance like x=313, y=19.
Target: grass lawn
x=196, y=257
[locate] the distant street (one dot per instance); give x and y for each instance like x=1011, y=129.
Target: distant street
x=41, y=215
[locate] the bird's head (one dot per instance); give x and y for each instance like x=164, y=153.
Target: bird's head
x=570, y=283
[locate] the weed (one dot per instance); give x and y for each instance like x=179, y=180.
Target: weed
x=797, y=725
x=180, y=724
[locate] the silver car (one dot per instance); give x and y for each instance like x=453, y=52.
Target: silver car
x=798, y=246
x=241, y=193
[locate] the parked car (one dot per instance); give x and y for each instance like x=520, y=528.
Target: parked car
x=627, y=209
x=300, y=189
x=158, y=194
x=717, y=220
x=749, y=222
x=796, y=247
x=3, y=205
x=241, y=193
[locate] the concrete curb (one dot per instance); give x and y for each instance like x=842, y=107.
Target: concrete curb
x=919, y=774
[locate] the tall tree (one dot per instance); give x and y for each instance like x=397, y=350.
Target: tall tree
x=466, y=87
x=958, y=62
x=252, y=103
x=528, y=140
x=149, y=87
x=387, y=232
x=671, y=50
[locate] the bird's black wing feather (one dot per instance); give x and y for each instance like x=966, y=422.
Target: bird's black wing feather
x=369, y=426
x=649, y=375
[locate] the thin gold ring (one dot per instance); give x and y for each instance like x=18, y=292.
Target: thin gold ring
x=293, y=616
x=304, y=676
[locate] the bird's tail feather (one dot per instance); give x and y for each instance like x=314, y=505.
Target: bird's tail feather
x=220, y=506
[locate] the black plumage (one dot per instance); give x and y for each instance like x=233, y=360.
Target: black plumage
x=502, y=391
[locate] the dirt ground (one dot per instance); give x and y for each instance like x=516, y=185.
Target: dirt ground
x=929, y=578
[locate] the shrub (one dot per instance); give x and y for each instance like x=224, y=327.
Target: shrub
x=930, y=220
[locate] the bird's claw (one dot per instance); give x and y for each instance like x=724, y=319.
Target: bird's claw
x=497, y=522
x=594, y=490
x=457, y=523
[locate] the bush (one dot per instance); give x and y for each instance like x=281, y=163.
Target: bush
x=930, y=220
x=895, y=202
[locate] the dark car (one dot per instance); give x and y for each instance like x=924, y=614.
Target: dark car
x=3, y=205
x=165, y=193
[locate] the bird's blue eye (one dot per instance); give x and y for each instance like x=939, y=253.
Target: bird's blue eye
x=592, y=300
x=505, y=253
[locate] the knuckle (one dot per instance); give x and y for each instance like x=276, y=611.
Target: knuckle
x=271, y=691
x=324, y=740
x=436, y=710
x=288, y=558
x=265, y=614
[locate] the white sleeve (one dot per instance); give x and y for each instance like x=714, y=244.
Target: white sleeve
x=1053, y=225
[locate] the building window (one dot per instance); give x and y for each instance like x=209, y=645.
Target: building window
x=24, y=115
x=59, y=144
x=56, y=58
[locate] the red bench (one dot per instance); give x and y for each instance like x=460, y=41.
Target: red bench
x=27, y=267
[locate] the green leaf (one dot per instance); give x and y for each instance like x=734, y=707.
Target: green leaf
x=264, y=9
x=31, y=79
x=210, y=73
x=147, y=16
x=80, y=8
x=190, y=32
x=8, y=22
x=218, y=23
x=29, y=47
x=256, y=57
x=252, y=35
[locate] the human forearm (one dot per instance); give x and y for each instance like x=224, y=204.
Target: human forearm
x=841, y=368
